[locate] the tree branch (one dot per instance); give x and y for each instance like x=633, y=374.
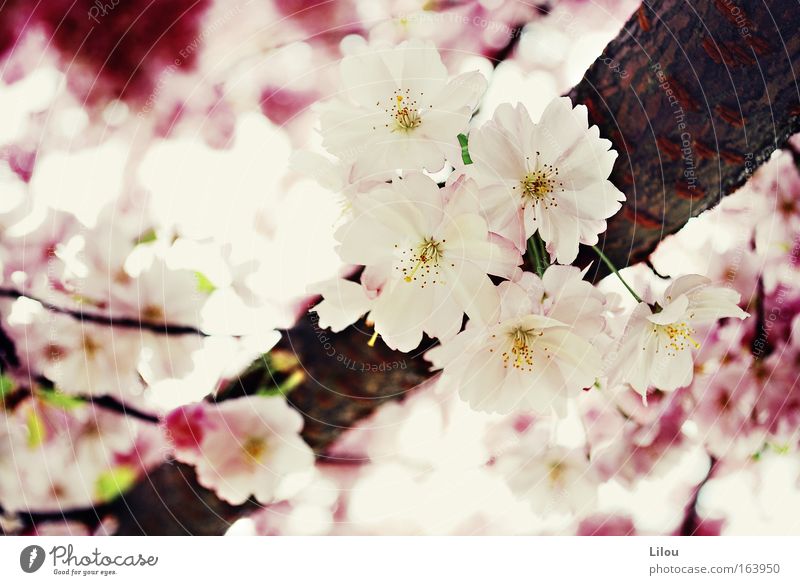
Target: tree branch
x=712, y=92
x=109, y=320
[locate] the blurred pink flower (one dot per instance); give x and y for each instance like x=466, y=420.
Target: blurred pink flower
x=246, y=446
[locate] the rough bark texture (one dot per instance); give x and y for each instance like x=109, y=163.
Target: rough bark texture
x=710, y=92
x=724, y=69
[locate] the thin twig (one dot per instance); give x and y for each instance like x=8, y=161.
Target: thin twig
x=109, y=320
x=613, y=269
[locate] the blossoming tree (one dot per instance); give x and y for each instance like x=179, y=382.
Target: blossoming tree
x=387, y=280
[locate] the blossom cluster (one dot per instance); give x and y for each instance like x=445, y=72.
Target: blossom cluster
x=562, y=406
x=430, y=254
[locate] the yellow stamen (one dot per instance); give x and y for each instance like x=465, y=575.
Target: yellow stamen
x=680, y=337
x=414, y=270
x=426, y=258
x=538, y=186
x=520, y=355
x=373, y=339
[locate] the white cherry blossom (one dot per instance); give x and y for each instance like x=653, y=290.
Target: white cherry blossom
x=427, y=254
x=81, y=357
x=399, y=109
x=550, y=177
x=246, y=446
x=656, y=347
x=525, y=360
x=551, y=479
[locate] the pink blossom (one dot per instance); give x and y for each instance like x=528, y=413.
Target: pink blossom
x=245, y=447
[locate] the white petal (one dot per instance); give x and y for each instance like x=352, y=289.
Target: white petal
x=367, y=79
x=344, y=302
x=672, y=313
x=474, y=292
x=399, y=314
x=684, y=285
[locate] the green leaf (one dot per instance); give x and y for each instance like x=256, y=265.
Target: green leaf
x=114, y=482
x=204, y=285
x=292, y=382
x=37, y=432
x=147, y=237
x=59, y=399
x=464, y=141
x=7, y=386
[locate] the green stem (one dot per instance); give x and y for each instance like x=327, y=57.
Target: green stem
x=463, y=140
x=613, y=268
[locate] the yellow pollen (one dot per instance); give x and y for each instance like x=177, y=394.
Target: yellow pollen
x=538, y=186
x=254, y=448
x=520, y=354
x=556, y=472
x=90, y=346
x=404, y=112
x=422, y=264
x=680, y=337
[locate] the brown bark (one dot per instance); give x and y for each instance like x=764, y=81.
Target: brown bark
x=728, y=67
x=728, y=71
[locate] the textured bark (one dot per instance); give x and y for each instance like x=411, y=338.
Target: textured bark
x=731, y=76
x=727, y=71
x=170, y=502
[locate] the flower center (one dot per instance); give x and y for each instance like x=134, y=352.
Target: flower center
x=254, y=448
x=90, y=346
x=422, y=263
x=539, y=185
x=520, y=354
x=404, y=112
x=680, y=337
x=556, y=472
